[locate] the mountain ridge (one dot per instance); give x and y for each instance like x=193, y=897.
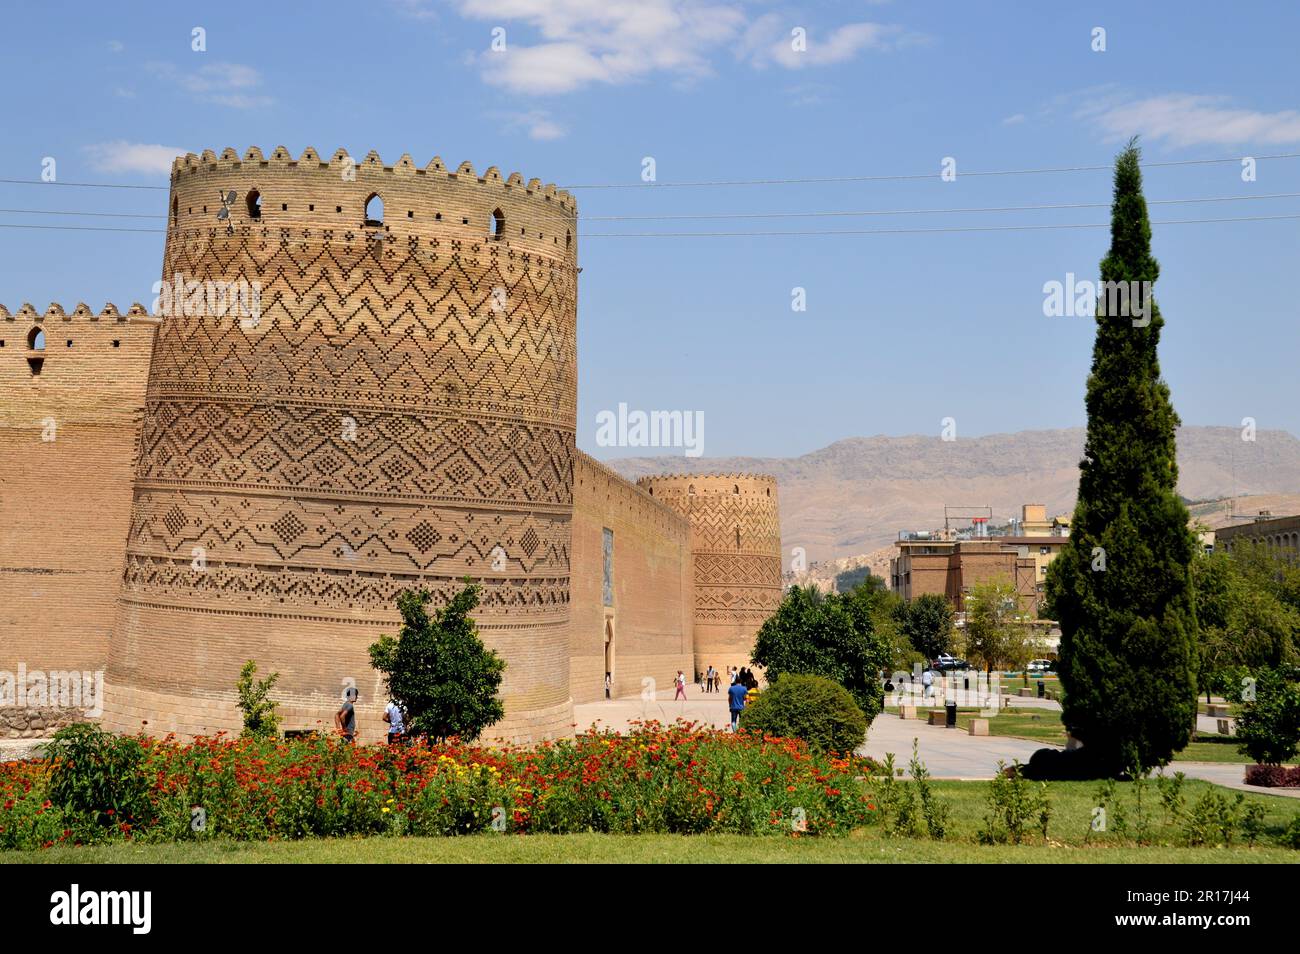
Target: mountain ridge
x=854, y=495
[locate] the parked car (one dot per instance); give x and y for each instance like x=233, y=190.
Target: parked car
x=1038, y=667
x=948, y=663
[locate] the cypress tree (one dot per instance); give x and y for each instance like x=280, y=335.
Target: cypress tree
x=1122, y=587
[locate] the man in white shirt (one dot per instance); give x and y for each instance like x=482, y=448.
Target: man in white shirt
x=396, y=725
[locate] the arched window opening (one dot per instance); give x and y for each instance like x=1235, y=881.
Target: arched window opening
x=36, y=339
x=175, y=208
x=735, y=489
x=255, y=205
x=691, y=489
x=738, y=538
x=374, y=211
x=498, y=224
x=568, y=239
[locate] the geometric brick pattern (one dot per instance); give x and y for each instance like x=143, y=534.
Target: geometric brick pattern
x=736, y=542
x=400, y=414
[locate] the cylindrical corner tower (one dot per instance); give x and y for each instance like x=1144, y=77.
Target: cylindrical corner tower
x=736, y=544
x=365, y=382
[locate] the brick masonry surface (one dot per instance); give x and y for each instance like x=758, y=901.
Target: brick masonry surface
x=362, y=380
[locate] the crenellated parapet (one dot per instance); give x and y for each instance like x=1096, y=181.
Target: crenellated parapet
x=310, y=196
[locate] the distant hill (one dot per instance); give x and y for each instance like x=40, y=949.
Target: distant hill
x=853, y=496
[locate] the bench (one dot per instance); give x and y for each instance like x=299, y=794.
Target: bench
x=938, y=717
x=978, y=727
x=1216, y=710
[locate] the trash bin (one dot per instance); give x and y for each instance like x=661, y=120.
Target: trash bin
x=1042, y=689
x=950, y=710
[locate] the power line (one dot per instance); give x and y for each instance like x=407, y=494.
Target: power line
x=77, y=228
x=970, y=228
x=901, y=231
x=790, y=181
x=783, y=215
x=899, y=178
x=1008, y=208
x=106, y=215
x=84, y=185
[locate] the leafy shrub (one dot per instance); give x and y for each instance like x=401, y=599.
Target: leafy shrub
x=1273, y=776
x=1015, y=807
x=1214, y=819
x=437, y=669
x=811, y=708
x=1269, y=726
x=1291, y=837
x=97, y=778
x=260, y=717
x=895, y=800
x=934, y=809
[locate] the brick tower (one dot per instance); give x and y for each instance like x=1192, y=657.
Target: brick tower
x=736, y=547
x=399, y=412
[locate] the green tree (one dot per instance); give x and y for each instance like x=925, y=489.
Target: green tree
x=1269, y=727
x=437, y=669
x=261, y=720
x=1122, y=586
x=996, y=635
x=1243, y=621
x=827, y=635
x=926, y=621
x=818, y=710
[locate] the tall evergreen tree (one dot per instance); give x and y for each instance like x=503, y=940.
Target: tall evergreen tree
x=1122, y=587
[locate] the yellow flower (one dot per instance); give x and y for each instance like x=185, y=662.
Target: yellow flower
x=386, y=810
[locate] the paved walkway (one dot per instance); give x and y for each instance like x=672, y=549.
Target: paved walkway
x=947, y=753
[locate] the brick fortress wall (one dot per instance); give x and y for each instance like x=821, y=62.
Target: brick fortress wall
x=649, y=619
x=69, y=424
x=736, y=548
x=403, y=406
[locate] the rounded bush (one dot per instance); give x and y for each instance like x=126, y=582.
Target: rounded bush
x=819, y=711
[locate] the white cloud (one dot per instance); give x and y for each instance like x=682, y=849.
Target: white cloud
x=116, y=46
x=558, y=46
x=827, y=48
x=1184, y=119
x=227, y=84
x=1015, y=120
x=536, y=122
x=123, y=156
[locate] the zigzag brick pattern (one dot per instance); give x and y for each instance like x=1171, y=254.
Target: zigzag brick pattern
x=736, y=546
x=399, y=412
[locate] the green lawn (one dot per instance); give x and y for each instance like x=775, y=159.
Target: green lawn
x=1069, y=842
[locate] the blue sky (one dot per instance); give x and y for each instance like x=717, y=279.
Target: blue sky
x=900, y=330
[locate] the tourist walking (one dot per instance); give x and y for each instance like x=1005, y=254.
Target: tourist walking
x=345, y=720
x=710, y=679
x=736, y=702
x=396, y=724
x=680, y=683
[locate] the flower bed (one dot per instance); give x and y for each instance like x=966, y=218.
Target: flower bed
x=674, y=779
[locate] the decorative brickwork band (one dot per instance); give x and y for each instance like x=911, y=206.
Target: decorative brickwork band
x=399, y=412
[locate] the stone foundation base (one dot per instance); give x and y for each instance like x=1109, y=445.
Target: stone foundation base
x=37, y=723
x=158, y=714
